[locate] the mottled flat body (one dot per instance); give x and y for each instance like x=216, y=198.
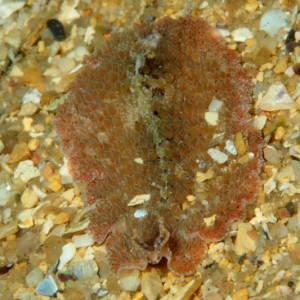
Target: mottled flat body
x=136, y=133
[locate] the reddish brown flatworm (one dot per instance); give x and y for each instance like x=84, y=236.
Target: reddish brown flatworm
x=153, y=118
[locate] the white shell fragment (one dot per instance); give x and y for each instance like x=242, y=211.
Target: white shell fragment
x=217, y=155
x=139, y=199
x=68, y=252
x=273, y=20
x=276, y=98
x=241, y=34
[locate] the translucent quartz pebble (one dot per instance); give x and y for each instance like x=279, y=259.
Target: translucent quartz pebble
x=47, y=286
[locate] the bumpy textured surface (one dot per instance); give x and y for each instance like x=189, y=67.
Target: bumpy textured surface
x=134, y=125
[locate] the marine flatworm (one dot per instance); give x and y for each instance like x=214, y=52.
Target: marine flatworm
x=150, y=129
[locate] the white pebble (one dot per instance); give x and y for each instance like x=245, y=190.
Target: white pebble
x=276, y=98
x=211, y=118
x=89, y=35
x=83, y=240
x=224, y=32
x=130, y=281
x=215, y=105
x=140, y=213
x=66, y=177
x=68, y=14
x=5, y=194
x=68, y=252
x=65, y=64
x=269, y=186
x=273, y=20
x=33, y=96
x=139, y=160
x=230, y=147
x=9, y=7
x=289, y=72
x=25, y=218
x=241, y=34
x=26, y=171
x=29, y=198
x=260, y=122
x=217, y=155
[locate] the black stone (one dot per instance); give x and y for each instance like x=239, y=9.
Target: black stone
x=56, y=29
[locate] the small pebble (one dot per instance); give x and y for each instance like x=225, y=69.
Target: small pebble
x=260, y=122
x=230, y=147
x=68, y=14
x=276, y=98
x=19, y=153
x=201, y=176
x=28, y=109
x=84, y=269
x=241, y=294
x=246, y=158
x=34, y=277
x=7, y=8
x=130, y=281
x=279, y=133
x=25, y=218
x=1, y=146
x=84, y=240
x=273, y=20
x=245, y=241
x=140, y=213
x=5, y=194
x=251, y=7
x=271, y=155
x=139, y=199
x=151, y=285
x=280, y=67
x=290, y=208
x=217, y=155
x=241, y=34
x=211, y=118
x=47, y=287
x=61, y=218
x=54, y=182
x=29, y=198
x=5, y=269
x=56, y=29
x=240, y=144
x=26, y=171
x=66, y=64
x=33, y=144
